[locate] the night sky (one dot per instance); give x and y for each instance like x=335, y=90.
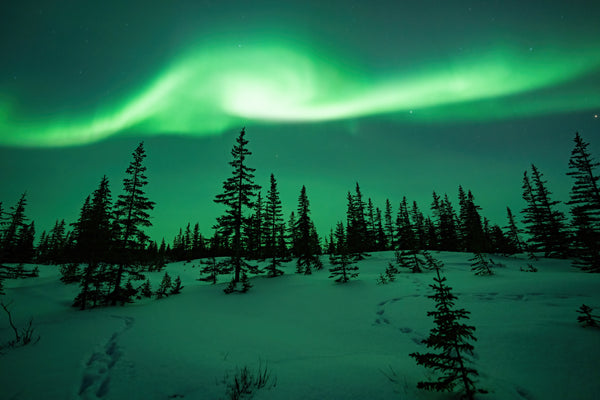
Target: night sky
x=403, y=97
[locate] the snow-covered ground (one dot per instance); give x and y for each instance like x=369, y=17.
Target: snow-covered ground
x=321, y=340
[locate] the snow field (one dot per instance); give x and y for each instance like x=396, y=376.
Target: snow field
x=320, y=340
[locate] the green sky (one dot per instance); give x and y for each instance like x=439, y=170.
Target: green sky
x=403, y=98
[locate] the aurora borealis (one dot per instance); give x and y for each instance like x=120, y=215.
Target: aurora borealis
x=404, y=98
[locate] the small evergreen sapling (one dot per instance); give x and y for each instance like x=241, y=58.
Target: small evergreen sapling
x=410, y=259
x=586, y=318
x=176, y=287
x=165, y=285
x=450, y=339
x=211, y=270
x=344, y=267
x=480, y=265
x=146, y=289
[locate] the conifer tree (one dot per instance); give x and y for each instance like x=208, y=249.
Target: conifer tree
x=410, y=259
x=307, y=245
x=380, y=237
x=405, y=236
x=165, y=286
x=357, y=234
x=586, y=318
x=471, y=228
x=176, y=287
x=585, y=206
x=418, y=221
x=131, y=211
x=238, y=191
x=273, y=226
x=544, y=224
x=211, y=270
x=371, y=228
x=95, y=242
x=254, y=230
x=480, y=264
x=388, y=225
x=450, y=340
x=12, y=236
x=343, y=263
x=512, y=233
x=198, y=246
x=146, y=289
x=57, y=242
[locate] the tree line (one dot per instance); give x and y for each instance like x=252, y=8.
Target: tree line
x=106, y=249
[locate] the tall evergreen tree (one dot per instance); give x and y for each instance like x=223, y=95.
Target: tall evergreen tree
x=273, y=226
x=405, y=235
x=57, y=243
x=95, y=243
x=450, y=339
x=308, y=242
x=418, y=221
x=512, y=232
x=585, y=206
x=343, y=263
x=471, y=228
x=388, y=225
x=357, y=235
x=238, y=191
x=254, y=230
x=15, y=230
x=544, y=224
x=131, y=211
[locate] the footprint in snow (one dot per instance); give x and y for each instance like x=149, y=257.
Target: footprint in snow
x=97, y=372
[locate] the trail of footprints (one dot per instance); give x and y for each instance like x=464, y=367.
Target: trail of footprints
x=98, y=369
x=381, y=319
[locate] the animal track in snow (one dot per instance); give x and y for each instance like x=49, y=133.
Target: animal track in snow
x=97, y=372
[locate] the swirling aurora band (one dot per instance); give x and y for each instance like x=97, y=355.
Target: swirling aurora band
x=214, y=89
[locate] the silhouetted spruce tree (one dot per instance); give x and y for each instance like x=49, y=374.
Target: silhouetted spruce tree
x=449, y=339
x=405, y=235
x=131, y=211
x=57, y=243
x=586, y=318
x=292, y=234
x=307, y=246
x=42, y=249
x=176, y=287
x=273, y=225
x=445, y=223
x=585, y=207
x=187, y=243
x=371, y=230
x=544, y=224
x=25, y=248
x=198, y=245
x=210, y=270
x=95, y=242
x=238, y=191
x=254, y=230
x=418, y=221
x=357, y=235
x=431, y=237
x=14, y=232
x=343, y=263
x=146, y=289
x=512, y=233
x=388, y=225
x=165, y=286
x=380, y=236
x=480, y=264
x=471, y=228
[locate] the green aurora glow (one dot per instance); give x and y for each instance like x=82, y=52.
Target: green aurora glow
x=219, y=87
